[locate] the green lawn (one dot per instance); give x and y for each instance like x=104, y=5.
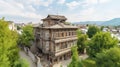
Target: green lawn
x=89, y=63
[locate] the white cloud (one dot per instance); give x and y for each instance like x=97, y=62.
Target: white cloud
x=13, y=8
x=104, y=1
x=91, y=1
x=61, y=1
x=88, y=11
x=45, y=3
x=87, y=3
x=86, y=14
x=73, y=4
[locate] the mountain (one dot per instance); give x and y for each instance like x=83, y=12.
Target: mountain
x=113, y=22
x=90, y=22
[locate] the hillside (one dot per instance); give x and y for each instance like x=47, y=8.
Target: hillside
x=113, y=22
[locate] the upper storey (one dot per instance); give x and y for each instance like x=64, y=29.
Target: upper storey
x=53, y=19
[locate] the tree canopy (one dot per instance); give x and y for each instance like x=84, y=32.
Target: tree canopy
x=8, y=45
x=27, y=36
x=109, y=58
x=82, y=42
x=100, y=42
x=9, y=52
x=76, y=62
x=78, y=33
x=92, y=30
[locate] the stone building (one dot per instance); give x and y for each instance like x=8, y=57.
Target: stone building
x=54, y=38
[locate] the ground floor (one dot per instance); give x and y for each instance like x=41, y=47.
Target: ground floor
x=57, y=59
x=52, y=60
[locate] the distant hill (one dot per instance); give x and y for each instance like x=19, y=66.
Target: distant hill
x=113, y=22
x=90, y=22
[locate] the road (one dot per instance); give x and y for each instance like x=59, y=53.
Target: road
x=23, y=55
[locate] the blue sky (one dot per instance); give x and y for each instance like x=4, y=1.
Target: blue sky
x=74, y=10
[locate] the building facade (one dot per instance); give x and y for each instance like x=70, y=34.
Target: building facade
x=54, y=38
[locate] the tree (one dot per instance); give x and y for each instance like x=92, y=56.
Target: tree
x=8, y=46
x=109, y=58
x=102, y=27
x=27, y=36
x=18, y=27
x=81, y=43
x=78, y=33
x=75, y=59
x=92, y=31
x=101, y=41
x=21, y=63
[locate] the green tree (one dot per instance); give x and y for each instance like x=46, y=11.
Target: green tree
x=27, y=36
x=78, y=33
x=76, y=62
x=109, y=58
x=21, y=63
x=92, y=30
x=100, y=42
x=81, y=43
x=8, y=45
x=18, y=27
x=102, y=27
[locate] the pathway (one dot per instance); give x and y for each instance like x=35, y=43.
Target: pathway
x=23, y=55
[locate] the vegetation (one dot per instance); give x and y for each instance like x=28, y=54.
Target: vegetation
x=8, y=46
x=21, y=63
x=100, y=42
x=109, y=58
x=92, y=31
x=27, y=36
x=76, y=62
x=18, y=27
x=89, y=62
x=78, y=33
x=102, y=27
x=81, y=43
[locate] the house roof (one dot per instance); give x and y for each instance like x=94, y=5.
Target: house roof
x=55, y=17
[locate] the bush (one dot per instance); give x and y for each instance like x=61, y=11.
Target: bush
x=89, y=63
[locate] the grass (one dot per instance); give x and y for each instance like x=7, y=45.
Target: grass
x=89, y=63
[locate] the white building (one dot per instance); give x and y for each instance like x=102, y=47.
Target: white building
x=11, y=25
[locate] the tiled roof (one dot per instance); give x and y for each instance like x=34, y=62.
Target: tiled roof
x=56, y=17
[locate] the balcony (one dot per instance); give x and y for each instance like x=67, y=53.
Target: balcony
x=62, y=51
x=66, y=39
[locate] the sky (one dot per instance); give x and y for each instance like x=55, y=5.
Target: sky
x=23, y=11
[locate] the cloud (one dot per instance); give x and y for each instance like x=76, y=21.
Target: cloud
x=86, y=14
x=91, y=1
x=61, y=1
x=73, y=4
x=104, y=1
x=18, y=9
x=45, y=3
x=87, y=3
